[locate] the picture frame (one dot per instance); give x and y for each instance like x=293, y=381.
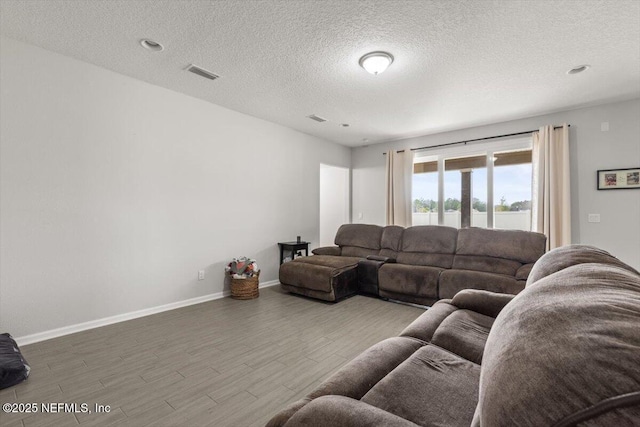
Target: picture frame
x=618, y=179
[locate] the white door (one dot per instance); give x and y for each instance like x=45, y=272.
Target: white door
x=334, y=201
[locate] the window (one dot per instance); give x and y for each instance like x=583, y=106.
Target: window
x=486, y=185
x=512, y=190
x=425, y=192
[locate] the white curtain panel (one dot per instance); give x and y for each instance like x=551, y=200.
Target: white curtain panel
x=399, y=174
x=551, y=204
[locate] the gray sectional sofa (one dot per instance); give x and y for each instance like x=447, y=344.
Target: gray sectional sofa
x=419, y=264
x=563, y=352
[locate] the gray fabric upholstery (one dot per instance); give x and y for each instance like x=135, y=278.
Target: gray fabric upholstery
x=430, y=239
x=413, y=299
x=356, y=251
x=391, y=241
x=433, y=262
x=360, y=235
x=359, y=240
x=464, y=333
x=355, y=379
x=487, y=264
x=524, y=271
x=453, y=281
x=368, y=276
x=522, y=246
x=449, y=382
x=563, y=352
x=320, y=276
x=584, y=323
x=327, y=250
x=567, y=256
x=425, y=326
x=428, y=245
x=409, y=367
x=483, y=302
x=409, y=279
x=345, y=412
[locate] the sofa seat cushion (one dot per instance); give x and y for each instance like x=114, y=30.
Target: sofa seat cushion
x=331, y=261
x=344, y=412
x=409, y=279
x=432, y=387
x=488, y=264
x=464, y=333
x=357, y=377
x=453, y=281
x=317, y=272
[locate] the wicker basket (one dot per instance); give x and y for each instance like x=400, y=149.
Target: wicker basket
x=245, y=288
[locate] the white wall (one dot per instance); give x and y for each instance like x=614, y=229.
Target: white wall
x=334, y=201
x=115, y=192
x=591, y=149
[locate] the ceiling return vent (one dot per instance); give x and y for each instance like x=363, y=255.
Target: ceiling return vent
x=317, y=118
x=202, y=72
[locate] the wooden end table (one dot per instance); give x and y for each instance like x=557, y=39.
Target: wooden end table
x=292, y=247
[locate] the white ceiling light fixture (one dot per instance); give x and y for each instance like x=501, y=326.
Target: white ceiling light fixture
x=151, y=45
x=376, y=62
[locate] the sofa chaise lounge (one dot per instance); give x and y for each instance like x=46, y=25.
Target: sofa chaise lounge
x=419, y=264
x=563, y=352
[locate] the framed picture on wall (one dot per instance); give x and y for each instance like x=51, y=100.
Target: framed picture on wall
x=619, y=179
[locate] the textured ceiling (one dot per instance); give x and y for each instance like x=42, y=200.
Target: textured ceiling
x=457, y=63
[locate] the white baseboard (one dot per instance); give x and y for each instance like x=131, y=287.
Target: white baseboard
x=79, y=327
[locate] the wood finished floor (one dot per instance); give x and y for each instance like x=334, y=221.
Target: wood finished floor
x=220, y=363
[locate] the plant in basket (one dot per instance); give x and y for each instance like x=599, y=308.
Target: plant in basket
x=244, y=274
x=243, y=267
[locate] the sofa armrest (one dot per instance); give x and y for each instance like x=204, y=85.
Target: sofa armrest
x=328, y=250
x=380, y=258
x=523, y=272
x=483, y=302
x=426, y=324
x=345, y=412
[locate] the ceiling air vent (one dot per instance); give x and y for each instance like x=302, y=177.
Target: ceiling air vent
x=317, y=118
x=202, y=72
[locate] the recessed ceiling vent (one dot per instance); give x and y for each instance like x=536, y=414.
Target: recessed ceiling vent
x=202, y=72
x=317, y=118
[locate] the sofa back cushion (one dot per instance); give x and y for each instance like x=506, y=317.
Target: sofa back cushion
x=565, y=347
x=497, y=251
x=359, y=240
x=431, y=245
x=517, y=245
x=391, y=241
x=566, y=256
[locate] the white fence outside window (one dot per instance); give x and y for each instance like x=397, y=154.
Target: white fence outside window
x=520, y=220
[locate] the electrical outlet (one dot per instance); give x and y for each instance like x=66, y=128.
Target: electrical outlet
x=201, y=275
x=593, y=217
x=360, y=215
x=604, y=126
